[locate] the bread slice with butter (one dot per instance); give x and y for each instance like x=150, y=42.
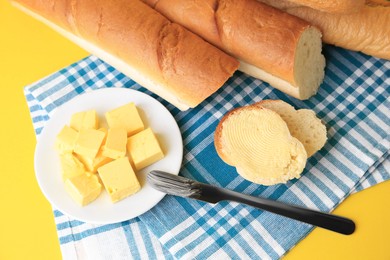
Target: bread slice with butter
x=302, y=123
x=269, y=142
x=258, y=143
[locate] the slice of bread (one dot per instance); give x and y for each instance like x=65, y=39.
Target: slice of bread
x=302, y=123
x=269, y=142
x=258, y=143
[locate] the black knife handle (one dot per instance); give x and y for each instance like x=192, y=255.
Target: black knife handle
x=328, y=221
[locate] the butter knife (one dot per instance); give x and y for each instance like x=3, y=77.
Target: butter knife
x=184, y=187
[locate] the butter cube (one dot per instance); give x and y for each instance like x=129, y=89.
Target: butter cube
x=88, y=143
x=76, y=121
x=115, y=146
x=66, y=140
x=144, y=149
x=92, y=164
x=91, y=120
x=71, y=166
x=84, y=120
x=83, y=188
x=119, y=179
x=127, y=117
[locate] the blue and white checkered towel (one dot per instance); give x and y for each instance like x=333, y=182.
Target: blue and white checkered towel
x=353, y=102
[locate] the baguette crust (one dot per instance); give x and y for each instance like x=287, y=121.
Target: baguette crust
x=378, y=2
x=367, y=30
x=162, y=52
x=254, y=33
x=246, y=30
x=218, y=137
x=329, y=6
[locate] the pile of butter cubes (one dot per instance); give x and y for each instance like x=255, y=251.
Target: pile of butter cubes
x=92, y=156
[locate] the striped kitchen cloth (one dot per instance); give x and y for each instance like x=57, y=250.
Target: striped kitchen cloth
x=354, y=103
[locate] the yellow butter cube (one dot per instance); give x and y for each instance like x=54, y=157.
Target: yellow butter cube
x=88, y=143
x=127, y=117
x=83, y=188
x=84, y=120
x=104, y=130
x=115, y=146
x=91, y=120
x=92, y=164
x=144, y=149
x=119, y=179
x=66, y=140
x=76, y=121
x=71, y=166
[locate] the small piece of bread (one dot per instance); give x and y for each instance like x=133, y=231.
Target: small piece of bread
x=258, y=143
x=302, y=123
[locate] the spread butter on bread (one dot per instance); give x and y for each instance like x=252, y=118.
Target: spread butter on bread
x=302, y=123
x=258, y=140
x=258, y=143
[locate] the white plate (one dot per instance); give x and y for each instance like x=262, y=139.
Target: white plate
x=102, y=210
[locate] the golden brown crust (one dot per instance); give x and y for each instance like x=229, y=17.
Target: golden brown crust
x=249, y=30
x=338, y=6
x=277, y=35
x=332, y=6
x=165, y=52
x=367, y=31
x=378, y=2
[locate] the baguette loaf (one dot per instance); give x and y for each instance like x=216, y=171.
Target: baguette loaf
x=160, y=55
x=258, y=143
x=329, y=6
x=378, y=2
x=367, y=30
x=271, y=45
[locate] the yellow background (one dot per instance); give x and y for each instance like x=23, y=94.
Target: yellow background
x=30, y=51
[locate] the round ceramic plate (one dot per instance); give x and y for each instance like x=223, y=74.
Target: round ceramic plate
x=102, y=210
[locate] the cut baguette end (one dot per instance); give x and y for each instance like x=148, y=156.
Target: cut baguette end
x=309, y=63
x=257, y=142
x=308, y=69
